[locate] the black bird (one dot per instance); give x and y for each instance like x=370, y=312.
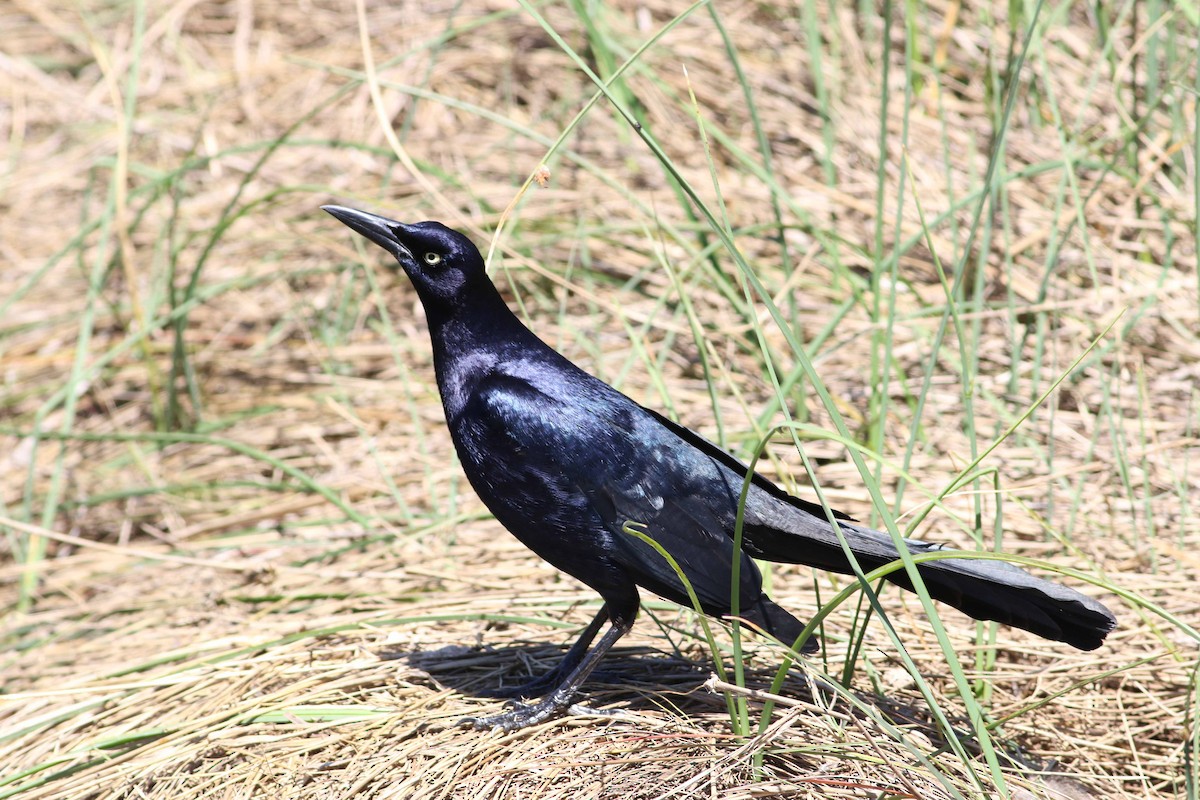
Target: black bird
x=565, y=462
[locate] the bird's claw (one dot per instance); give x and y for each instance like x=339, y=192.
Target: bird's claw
x=520, y=715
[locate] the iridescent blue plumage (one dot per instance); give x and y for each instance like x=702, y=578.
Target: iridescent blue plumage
x=565, y=462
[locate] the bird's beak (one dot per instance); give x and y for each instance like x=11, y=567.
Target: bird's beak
x=380, y=230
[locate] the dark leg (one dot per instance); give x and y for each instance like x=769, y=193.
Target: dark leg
x=559, y=699
x=543, y=683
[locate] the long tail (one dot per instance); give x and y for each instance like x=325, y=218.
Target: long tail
x=982, y=589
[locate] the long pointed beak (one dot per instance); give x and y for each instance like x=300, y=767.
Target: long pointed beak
x=380, y=230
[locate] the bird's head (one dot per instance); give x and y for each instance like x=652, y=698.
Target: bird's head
x=442, y=263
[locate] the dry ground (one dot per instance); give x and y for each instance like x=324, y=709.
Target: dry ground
x=205, y=624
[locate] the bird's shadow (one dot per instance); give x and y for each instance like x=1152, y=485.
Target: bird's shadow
x=637, y=678
x=632, y=678
x=640, y=678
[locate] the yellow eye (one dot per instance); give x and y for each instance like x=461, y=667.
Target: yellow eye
x=433, y=259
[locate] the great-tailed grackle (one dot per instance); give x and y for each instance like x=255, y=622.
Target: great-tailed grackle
x=565, y=461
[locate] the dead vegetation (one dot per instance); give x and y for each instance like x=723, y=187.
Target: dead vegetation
x=206, y=624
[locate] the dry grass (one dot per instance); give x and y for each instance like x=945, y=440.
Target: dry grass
x=205, y=625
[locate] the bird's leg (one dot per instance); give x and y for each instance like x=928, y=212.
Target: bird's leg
x=559, y=699
x=546, y=681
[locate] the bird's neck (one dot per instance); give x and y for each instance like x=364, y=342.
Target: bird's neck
x=473, y=340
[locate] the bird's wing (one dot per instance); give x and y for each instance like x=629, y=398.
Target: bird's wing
x=783, y=528
x=630, y=469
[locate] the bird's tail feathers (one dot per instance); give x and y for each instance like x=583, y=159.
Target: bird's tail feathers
x=984, y=589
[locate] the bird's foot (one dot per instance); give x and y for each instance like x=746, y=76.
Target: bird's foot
x=522, y=715
x=519, y=715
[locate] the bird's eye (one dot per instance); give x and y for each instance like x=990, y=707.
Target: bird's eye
x=433, y=259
